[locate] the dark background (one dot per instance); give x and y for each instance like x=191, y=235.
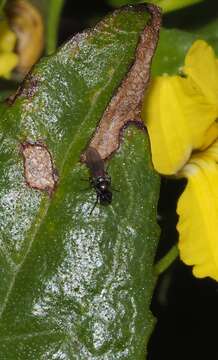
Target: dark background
x=186, y=307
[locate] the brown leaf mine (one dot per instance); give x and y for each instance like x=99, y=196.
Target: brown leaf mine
x=125, y=106
x=38, y=167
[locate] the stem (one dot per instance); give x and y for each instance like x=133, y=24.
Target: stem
x=54, y=12
x=166, y=5
x=171, y=5
x=167, y=260
x=2, y=4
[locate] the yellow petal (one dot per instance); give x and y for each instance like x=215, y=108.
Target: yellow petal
x=177, y=117
x=198, y=215
x=201, y=66
x=210, y=136
x=211, y=152
x=7, y=38
x=8, y=62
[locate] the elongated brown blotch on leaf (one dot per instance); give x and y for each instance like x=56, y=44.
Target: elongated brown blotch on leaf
x=125, y=106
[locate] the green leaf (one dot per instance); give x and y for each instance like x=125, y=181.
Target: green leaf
x=209, y=32
x=174, y=44
x=76, y=285
x=172, y=48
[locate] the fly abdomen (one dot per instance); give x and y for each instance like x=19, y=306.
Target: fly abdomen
x=99, y=178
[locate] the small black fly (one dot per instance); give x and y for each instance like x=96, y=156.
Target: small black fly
x=99, y=178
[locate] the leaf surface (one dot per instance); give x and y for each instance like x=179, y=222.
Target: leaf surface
x=75, y=285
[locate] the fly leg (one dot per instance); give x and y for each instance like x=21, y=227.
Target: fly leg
x=115, y=189
x=96, y=202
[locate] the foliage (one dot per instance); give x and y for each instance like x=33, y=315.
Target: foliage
x=74, y=283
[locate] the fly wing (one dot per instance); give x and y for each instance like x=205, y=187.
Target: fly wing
x=94, y=162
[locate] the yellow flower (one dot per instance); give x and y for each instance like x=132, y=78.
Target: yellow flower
x=27, y=23
x=181, y=116
x=198, y=214
x=8, y=59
